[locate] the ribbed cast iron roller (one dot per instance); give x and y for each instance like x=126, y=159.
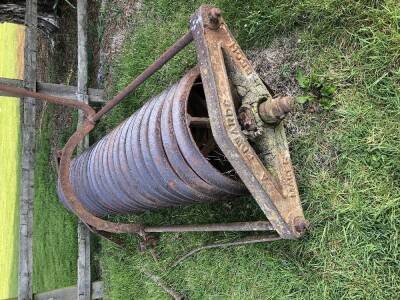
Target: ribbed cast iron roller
x=156, y=159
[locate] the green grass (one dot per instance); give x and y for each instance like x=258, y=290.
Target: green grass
x=347, y=162
x=11, y=66
x=55, y=229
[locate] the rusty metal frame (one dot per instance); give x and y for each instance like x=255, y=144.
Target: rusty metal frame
x=277, y=195
x=274, y=190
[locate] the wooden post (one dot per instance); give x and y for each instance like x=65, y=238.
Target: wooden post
x=84, y=278
x=27, y=159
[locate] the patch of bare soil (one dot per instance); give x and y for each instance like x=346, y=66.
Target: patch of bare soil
x=57, y=63
x=117, y=18
x=277, y=66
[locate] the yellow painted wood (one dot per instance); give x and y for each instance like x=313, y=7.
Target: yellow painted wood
x=11, y=65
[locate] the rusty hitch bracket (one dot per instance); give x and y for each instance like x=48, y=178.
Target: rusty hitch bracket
x=270, y=180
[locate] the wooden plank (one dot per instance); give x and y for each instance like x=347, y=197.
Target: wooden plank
x=27, y=160
x=84, y=278
x=97, y=290
x=84, y=275
x=69, y=293
x=66, y=91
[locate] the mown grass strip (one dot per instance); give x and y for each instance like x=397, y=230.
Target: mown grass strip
x=11, y=66
x=55, y=228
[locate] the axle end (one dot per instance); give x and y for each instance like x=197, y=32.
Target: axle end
x=274, y=110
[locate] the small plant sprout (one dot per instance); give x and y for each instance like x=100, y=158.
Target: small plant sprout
x=315, y=90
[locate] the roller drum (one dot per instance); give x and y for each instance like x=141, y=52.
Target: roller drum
x=156, y=158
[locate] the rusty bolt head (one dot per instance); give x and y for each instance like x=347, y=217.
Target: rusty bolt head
x=215, y=13
x=246, y=119
x=300, y=225
x=214, y=16
x=59, y=153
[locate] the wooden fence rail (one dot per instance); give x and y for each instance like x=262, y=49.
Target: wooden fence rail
x=69, y=293
x=54, y=89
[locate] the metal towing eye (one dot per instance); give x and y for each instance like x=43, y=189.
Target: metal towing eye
x=220, y=106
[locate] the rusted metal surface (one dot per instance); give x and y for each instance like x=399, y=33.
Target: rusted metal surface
x=154, y=159
x=236, y=226
x=276, y=195
x=274, y=110
x=14, y=91
x=73, y=202
x=187, y=144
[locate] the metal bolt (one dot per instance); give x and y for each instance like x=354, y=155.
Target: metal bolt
x=214, y=17
x=246, y=119
x=300, y=225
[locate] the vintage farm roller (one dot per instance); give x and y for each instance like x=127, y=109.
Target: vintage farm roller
x=214, y=135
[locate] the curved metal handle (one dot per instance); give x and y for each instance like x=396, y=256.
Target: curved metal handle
x=88, y=125
x=66, y=185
